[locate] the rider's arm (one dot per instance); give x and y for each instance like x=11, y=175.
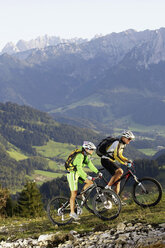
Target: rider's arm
x=91, y=166
x=118, y=154
x=78, y=161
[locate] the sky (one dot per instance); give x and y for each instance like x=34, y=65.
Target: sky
x=28, y=19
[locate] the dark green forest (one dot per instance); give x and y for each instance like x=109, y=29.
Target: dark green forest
x=24, y=127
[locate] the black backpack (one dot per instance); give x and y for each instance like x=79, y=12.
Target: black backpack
x=103, y=145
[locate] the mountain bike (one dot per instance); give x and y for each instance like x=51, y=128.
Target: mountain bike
x=106, y=205
x=146, y=192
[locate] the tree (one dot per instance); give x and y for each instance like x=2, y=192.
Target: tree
x=146, y=167
x=4, y=196
x=58, y=186
x=29, y=202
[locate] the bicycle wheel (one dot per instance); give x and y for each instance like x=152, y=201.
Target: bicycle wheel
x=107, y=205
x=147, y=192
x=58, y=210
x=88, y=204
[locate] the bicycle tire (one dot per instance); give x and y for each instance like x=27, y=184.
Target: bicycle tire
x=147, y=192
x=56, y=213
x=88, y=204
x=107, y=205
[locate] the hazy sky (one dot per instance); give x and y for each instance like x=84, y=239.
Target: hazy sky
x=27, y=19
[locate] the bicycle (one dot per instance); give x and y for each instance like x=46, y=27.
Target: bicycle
x=146, y=192
x=106, y=205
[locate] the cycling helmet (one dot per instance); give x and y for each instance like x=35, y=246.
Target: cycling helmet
x=128, y=134
x=88, y=145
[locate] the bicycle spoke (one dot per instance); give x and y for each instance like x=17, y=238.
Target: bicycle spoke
x=58, y=211
x=107, y=205
x=88, y=203
x=147, y=192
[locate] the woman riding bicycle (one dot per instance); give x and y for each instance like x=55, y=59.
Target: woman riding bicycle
x=76, y=173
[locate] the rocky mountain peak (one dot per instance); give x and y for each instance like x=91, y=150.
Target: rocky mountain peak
x=38, y=43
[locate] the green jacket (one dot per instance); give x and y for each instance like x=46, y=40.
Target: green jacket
x=80, y=163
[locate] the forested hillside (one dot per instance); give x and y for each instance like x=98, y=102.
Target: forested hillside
x=33, y=144
x=23, y=128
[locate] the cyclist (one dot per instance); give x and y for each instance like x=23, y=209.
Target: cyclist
x=115, y=153
x=78, y=174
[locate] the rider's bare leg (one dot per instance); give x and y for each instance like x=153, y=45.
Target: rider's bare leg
x=72, y=201
x=118, y=174
x=74, y=194
x=87, y=184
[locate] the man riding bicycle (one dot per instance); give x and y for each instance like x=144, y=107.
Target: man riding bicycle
x=115, y=153
x=76, y=172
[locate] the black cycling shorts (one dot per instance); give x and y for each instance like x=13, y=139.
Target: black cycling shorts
x=110, y=166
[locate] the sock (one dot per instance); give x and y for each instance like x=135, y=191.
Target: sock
x=107, y=187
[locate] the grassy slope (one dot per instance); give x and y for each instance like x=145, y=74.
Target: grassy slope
x=148, y=152
x=60, y=151
x=50, y=150
x=55, y=149
x=56, y=153
x=89, y=222
x=17, y=155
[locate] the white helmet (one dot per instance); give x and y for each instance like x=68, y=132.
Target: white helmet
x=88, y=145
x=128, y=134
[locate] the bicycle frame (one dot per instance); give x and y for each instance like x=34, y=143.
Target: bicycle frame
x=87, y=192
x=125, y=176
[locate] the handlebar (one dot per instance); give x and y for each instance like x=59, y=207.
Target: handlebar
x=98, y=177
x=132, y=167
x=94, y=178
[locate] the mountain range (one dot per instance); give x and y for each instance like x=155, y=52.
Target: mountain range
x=112, y=81
x=39, y=42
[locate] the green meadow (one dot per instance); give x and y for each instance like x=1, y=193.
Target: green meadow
x=55, y=149
x=17, y=155
x=148, y=152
